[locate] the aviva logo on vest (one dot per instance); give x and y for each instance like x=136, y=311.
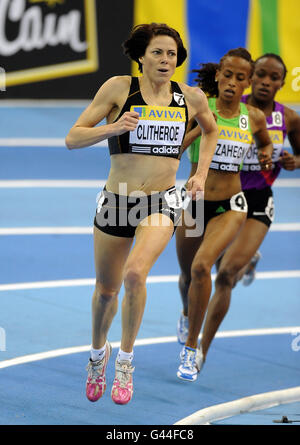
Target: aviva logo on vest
x=232, y=134
x=148, y=112
x=276, y=136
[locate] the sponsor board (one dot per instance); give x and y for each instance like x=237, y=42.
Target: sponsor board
x=47, y=39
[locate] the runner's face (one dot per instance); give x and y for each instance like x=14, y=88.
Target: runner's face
x=233, y=77
x=267, y=79
x=160, y=58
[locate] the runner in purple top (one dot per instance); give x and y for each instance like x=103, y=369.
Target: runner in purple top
x=241, y=257
x=251, y=175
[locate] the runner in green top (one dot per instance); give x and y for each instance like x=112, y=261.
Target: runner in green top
x=218, y=218
x=235, y=138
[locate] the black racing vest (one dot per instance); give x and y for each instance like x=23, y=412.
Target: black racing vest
x=160, y=131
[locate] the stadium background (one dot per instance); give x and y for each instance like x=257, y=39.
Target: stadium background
x=41, y=61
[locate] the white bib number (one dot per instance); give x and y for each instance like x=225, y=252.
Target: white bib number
x=243, y=123
x=173, y=199
x=270, y=209
x=238, y=203
x=277, y=118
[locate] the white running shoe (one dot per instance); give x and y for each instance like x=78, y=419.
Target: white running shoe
x=199, y=359
x=182, y=329
x=187, y=369
x=249, y=274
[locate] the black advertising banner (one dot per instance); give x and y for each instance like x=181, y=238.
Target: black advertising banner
x=61, y=48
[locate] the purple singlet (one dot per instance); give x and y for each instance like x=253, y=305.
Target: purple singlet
x=251, y=174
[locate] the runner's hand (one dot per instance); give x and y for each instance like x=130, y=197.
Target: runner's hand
x=127, y=122
x=195, y=187
x=265, y=161
x=288, y=161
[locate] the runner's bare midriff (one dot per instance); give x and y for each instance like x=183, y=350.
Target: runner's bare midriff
x=219, y=185
x=134, y=173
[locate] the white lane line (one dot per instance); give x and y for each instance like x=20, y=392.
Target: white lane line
x=46, y=230
x=277, y=274
x=142, y=342
x=39, y=142
x=95, y=183
x=285, y=227
x=52, y=183
x=44, y=103
x=47, y=284
x=32, y=142
x=286, y=182
x=255, y=402
x=85, y=230
x=280, y=274
x=65, y=103
x=52, y=142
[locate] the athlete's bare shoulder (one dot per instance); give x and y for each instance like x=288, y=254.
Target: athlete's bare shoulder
x=192, y=93
x=195, y=98
x=116, y=84
x=292, y=118
x=113, y=90
x=255, y=114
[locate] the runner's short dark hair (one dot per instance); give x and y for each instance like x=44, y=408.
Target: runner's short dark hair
x=135, y=46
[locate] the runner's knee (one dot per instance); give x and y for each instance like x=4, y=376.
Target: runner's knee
x=200, y=270
x=226, y=277
x=134, y=278
x=105, y=293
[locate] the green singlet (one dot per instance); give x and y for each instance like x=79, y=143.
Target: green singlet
x=235, y=138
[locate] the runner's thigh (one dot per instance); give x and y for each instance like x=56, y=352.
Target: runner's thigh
x=111, y=253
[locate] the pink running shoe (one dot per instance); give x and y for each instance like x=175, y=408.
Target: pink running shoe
x=122, y=388
x=96, y=382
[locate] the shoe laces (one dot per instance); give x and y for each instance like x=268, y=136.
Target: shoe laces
x=123, y=372
x=189, y=358
x=95, y=369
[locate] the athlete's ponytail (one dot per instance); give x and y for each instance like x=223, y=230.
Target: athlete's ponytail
x=206, y=78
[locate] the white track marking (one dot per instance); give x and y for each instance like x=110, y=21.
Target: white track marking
x=39, y=142
x=73, y=230
x=44, y=103
x=95, y=183
x=285, y=227
x=52, y=183
x=278, y=274
x=142, y=342
x=53, y=142
x=86, y=230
